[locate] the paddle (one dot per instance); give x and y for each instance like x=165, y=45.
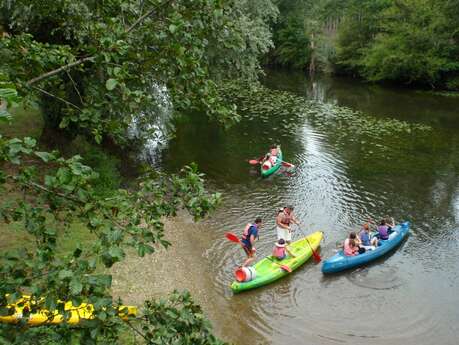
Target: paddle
x=315, y=255
x=287, y=164
x=284, y=267
x=256, y=161
x=259, y=161
x=233, y=238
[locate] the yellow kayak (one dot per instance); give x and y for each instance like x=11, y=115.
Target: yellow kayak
x=77, y=313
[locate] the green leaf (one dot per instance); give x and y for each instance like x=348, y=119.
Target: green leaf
x=172, y=28
x=64, y=274
x=116, y=252
x=111, y=83
x=75, y=286
x=45, y=156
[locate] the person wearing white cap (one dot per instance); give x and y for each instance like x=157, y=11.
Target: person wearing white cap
x=280, y=250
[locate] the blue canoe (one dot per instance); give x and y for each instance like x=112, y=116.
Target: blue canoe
x=340, y=262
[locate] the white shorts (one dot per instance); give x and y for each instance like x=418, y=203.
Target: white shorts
x=283, y=233
x=369, y=247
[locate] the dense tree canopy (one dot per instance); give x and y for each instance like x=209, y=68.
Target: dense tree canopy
x=406, y=41
x=409, y=41
x=91, y=63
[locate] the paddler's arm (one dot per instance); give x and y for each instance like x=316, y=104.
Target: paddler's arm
x=294, y=220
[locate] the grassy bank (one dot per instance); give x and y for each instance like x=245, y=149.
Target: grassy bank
x=28, y=122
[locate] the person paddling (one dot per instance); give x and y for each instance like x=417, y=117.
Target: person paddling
x=284, y=218
x=384, y=230
x=270, y=159
x=248, y=238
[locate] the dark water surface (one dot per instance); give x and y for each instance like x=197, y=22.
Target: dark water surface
x=341, y=178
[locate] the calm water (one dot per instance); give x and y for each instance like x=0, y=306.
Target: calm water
x=409, y=297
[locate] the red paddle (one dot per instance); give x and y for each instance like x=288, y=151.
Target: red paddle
x=284, y=267
x=233, y=238
x=315, y=255
x=288, y=165
x=256, y=162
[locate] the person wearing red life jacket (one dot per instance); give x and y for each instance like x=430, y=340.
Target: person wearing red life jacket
x=248, y=238
x=284, y=219
x=270, y=158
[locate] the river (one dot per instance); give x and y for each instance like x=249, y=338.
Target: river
x=342, y=176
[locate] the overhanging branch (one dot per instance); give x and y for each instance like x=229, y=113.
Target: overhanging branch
x=59, y=70
x=89, y=58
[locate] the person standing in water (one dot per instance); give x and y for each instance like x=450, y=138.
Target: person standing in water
x=284, y=219
x=249, y=236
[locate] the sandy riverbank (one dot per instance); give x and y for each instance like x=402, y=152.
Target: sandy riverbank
x=179, y=267
x=182, y=266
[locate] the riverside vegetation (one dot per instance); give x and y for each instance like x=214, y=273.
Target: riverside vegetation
x=410, y=42
x=89, y=67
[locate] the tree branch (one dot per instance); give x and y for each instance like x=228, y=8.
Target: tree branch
x=89, y=58
x=136, y=330
x=57, y=97
x=149, y=13
x=44, y=189
x=60, y=69
x=75, y=86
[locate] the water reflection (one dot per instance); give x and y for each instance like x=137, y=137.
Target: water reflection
x=386, y=101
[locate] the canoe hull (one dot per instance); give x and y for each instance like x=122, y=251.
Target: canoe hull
x=340, y=262
x=268, y=269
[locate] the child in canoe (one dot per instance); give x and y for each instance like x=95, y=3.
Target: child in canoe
x=368, y=242
x=385, y=228
x=352, y=245
x=270, y=158
x=280, y=250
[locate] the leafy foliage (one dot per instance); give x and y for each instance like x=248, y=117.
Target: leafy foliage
x=47, y=203
x=292, y=44
x=411, y=41
x=186, y=318
x=91, y=63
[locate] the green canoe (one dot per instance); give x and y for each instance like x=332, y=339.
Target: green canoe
x=273, y=169
x=268, y=269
